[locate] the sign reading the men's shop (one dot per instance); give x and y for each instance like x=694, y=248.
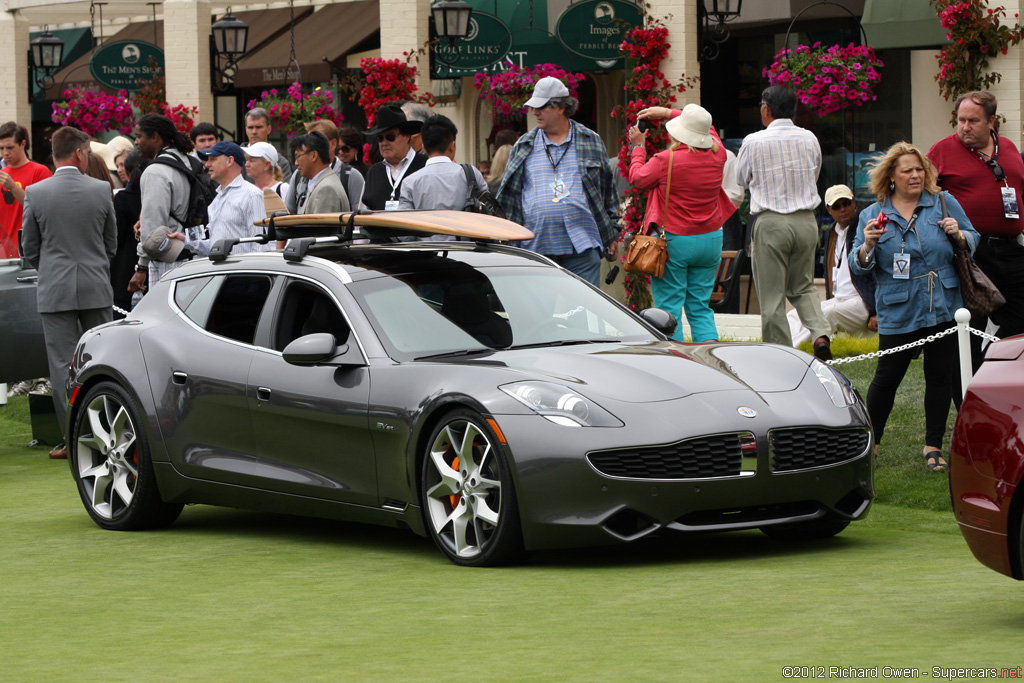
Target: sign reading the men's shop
x=120, y=64
x=595, y=28
x=488, y=42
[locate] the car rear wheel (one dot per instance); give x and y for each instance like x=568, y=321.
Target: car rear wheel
x=111, y=463
x=468, y=497
x=824, y=527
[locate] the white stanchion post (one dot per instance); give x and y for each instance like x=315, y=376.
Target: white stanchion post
x=963, y=337
x=3, y=394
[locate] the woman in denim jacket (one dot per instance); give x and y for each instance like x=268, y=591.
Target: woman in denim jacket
x=904, y=241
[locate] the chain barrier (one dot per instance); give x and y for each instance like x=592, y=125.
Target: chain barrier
x=919, y=342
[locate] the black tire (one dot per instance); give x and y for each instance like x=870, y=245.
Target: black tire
x=111, y=463
x=470, y=512
x=825, y=527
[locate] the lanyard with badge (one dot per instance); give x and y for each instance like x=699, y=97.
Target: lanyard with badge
x=1009, y=194
x=840, y=254
x=392, y=204
x=558, y=187
x=901, y=261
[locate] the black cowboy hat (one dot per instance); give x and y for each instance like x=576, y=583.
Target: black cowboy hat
x=391, y=116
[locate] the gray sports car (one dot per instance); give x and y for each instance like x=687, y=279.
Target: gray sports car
x=473, y=392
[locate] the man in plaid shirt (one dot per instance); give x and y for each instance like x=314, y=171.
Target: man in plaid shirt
x=558, y=183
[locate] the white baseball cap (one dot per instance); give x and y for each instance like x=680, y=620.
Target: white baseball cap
x=837, y=192
x=546, y=88
x=261, y=150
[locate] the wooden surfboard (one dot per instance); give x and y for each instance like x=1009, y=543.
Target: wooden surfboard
x=455, y=223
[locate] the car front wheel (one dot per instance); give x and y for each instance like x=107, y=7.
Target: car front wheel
x=111, y=463
x=468, y=496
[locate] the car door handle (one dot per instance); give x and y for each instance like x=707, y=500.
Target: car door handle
x=262, y=394
x=179, y=377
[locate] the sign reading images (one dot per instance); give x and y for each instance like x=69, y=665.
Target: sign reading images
x=595, y=28
x=488, y=42
x=120, y=64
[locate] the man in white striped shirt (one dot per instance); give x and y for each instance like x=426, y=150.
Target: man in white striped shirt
x=780, y=165
x=236, y=207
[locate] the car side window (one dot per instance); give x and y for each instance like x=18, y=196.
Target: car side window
x=307, y=309
x=230, y=305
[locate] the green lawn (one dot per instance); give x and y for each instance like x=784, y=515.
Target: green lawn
x=240, y=596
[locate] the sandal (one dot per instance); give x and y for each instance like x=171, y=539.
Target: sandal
x=934, y=461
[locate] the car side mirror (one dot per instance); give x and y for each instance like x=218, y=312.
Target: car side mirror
x=662, y=321
x=311, y=349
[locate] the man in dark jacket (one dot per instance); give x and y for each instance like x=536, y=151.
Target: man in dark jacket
x=850, y=298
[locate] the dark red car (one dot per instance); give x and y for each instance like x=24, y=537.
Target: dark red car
x=987, y=460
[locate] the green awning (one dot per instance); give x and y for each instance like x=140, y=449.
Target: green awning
x=903, y=24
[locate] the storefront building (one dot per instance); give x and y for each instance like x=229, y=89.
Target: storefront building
x=316, y=42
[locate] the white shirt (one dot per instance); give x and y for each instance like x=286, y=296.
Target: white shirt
x=780, y=165
x=842, y=283
x=233, y=213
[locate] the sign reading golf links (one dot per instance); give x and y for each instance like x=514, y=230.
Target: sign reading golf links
x=120, y=64
x=489, y=41
x=595, y=28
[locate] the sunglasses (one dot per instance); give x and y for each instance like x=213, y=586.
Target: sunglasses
x=8, y=196
x=997, y=170
x=345, y=149
x=390, y=137
x=841, y=204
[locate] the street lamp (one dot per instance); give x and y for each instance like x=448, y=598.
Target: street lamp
x=451, y=19
x=713, y=35
x=228, y=40
x=44, y=57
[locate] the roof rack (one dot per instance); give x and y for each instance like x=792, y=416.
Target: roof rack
x=305, y=230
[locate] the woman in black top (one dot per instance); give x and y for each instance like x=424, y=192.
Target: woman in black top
x=127, y=207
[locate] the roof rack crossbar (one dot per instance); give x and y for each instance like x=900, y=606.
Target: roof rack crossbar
x=221, y=249
x=296, y=249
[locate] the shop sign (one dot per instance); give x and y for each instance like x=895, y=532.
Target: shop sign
x=120, y=64
x=488, y=42
x=595, y=28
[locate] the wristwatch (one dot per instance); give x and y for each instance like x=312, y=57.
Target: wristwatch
x=141, y=268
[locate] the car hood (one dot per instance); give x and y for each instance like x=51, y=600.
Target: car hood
x=659, y=371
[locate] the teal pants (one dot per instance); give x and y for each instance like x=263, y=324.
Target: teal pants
x=688, y=281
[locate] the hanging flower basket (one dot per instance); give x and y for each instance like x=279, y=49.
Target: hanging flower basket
x=94, y=111
x=508, y=91
x=827, y=79
x=291, y=110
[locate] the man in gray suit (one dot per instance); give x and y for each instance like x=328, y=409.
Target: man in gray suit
x=324, y=193
x=69, y=236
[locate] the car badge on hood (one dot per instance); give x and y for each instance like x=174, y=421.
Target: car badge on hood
x=746, y=412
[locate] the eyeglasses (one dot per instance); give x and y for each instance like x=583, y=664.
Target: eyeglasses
x=390, y=137
x=841, y=204
x=301, y=154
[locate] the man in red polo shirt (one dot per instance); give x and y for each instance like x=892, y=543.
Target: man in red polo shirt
x=985, y=173
x=18, y=174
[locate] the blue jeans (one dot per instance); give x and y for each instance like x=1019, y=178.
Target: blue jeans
x=587, y=265
x=688, y=282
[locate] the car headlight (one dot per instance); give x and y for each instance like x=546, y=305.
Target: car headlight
x=560, y=405
x=838, y=387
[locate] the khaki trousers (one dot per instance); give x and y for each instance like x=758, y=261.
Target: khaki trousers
x=782, y=250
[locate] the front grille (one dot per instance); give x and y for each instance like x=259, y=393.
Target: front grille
x=707, y=456
x=805, y=447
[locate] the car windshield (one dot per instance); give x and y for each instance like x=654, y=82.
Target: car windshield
x=459, y=308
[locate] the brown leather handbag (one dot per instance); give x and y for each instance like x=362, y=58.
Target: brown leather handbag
x=979, y=293
x=648, y=253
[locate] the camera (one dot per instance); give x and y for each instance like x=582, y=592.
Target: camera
x=643, y=125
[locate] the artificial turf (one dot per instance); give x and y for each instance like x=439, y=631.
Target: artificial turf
x=229, y=595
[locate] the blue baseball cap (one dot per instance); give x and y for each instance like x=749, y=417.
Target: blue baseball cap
x=225, y=149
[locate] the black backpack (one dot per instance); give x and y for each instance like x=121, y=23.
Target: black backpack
x=202, y=189
x=477, y=200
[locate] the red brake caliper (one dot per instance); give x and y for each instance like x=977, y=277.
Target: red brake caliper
x=455, y=497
